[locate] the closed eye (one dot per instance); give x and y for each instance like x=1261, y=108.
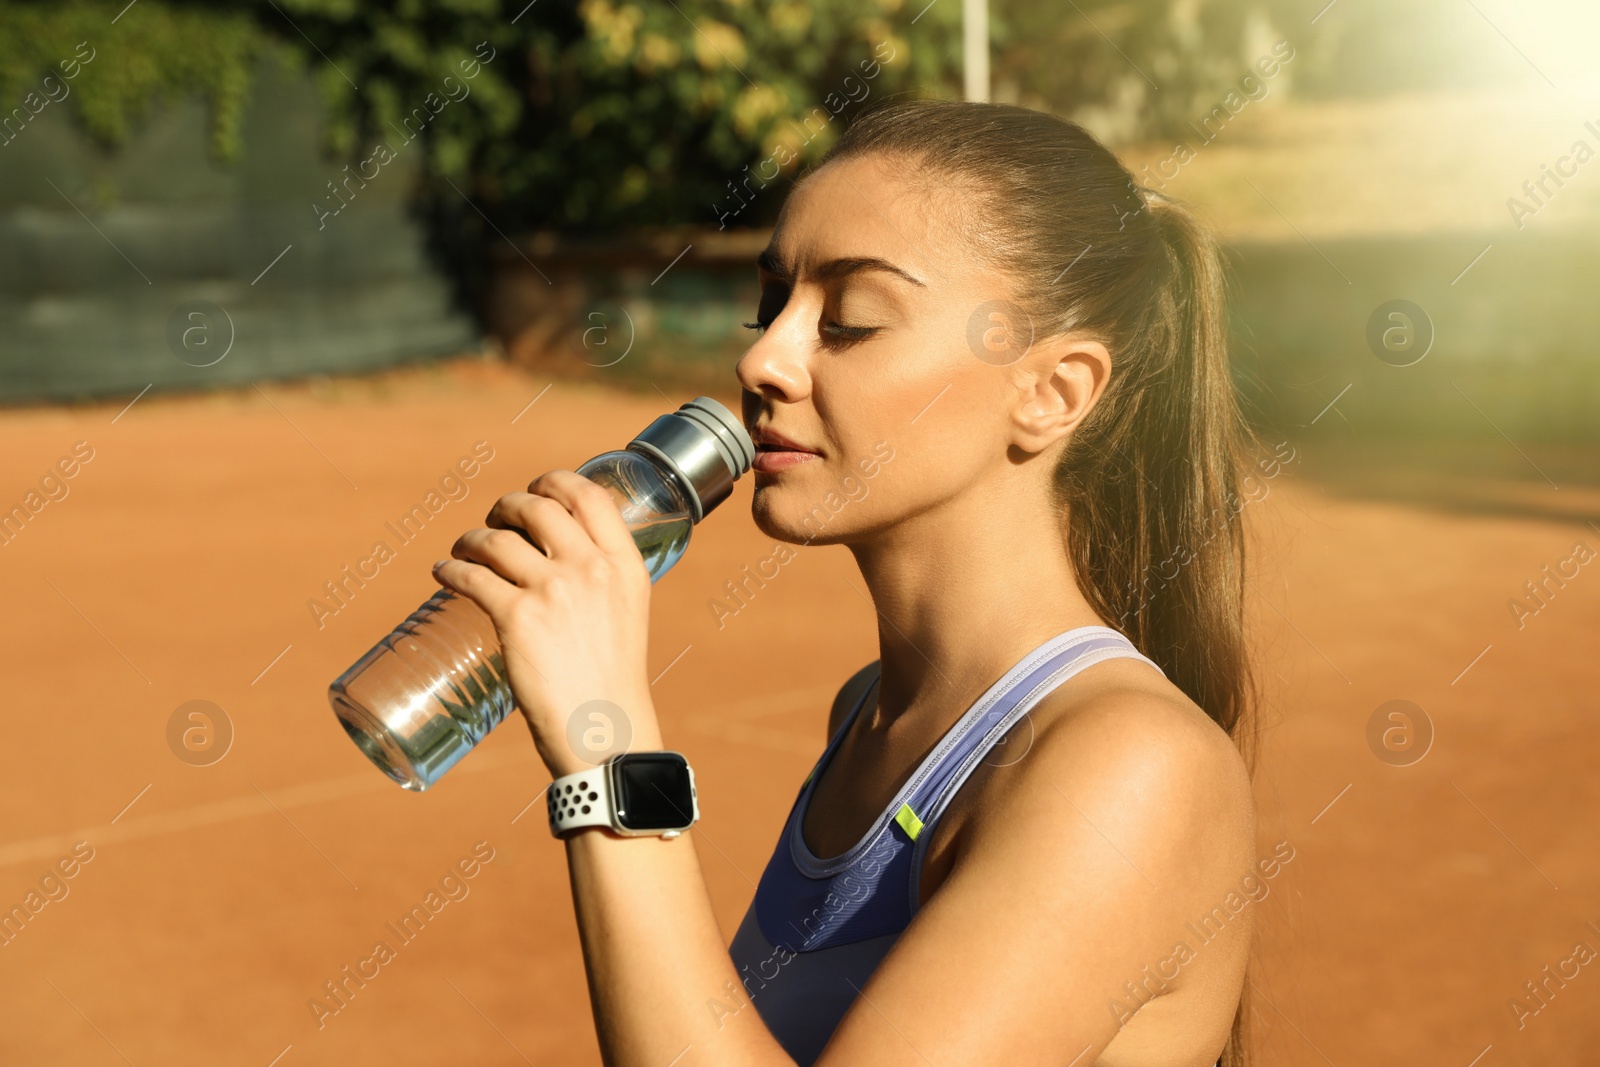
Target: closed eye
x=835, y=330
x=848, y=333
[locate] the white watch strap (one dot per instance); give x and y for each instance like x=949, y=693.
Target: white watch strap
x=581, y=799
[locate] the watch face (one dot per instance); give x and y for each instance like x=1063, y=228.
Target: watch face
x=652, y=791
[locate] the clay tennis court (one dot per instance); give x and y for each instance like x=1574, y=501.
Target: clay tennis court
x=217, y=901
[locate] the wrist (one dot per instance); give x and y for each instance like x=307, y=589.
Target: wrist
x=562, y=760
x=596, y=731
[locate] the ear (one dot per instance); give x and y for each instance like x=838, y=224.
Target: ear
x=1059, y=381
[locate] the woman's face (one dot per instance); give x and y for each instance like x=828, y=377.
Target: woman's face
x=889, y=352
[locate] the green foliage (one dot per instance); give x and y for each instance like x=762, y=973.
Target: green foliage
x=600, y=114
x=583, y=114
x=730, y=83
x=122, y=69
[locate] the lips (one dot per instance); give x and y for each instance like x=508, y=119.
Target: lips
x=770, y=440
x=775, y=452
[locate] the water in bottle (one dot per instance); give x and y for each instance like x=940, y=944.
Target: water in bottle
x=422, y=697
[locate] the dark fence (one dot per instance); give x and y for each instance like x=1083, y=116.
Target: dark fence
x=153, y=265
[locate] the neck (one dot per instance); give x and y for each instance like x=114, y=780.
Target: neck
x=963, y=591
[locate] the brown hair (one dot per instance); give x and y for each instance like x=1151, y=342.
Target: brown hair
x=1149, y=480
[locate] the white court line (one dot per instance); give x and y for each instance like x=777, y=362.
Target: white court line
x=273, y=664
x=372, y=782
x=236, y=808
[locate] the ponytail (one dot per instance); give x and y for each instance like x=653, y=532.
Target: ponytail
x=1151, y=485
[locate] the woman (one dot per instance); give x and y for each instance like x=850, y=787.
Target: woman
x=1003, y=852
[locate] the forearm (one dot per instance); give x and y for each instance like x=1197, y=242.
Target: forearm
x=660, y=978
x=570, y=604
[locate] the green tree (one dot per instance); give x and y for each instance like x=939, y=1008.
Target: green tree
x=594, y=115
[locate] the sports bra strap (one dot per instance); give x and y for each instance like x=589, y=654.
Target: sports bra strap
x=990, y=719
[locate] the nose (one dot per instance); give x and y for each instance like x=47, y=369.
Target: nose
x=776, y=369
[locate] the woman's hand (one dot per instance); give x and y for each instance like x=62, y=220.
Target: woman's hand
x=571, y=604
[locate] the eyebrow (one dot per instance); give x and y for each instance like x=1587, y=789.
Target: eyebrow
x=770, y=262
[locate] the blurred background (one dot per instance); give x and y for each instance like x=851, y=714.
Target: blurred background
x=269, y=268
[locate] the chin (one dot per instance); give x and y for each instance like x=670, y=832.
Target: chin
x=785, y=513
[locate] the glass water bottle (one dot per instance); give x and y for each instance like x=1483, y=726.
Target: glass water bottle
x=426, y=694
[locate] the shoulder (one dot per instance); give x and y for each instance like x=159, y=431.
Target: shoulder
x=1076, y=877
x=1129, y=728
x=1127, y=766
x=848, y=695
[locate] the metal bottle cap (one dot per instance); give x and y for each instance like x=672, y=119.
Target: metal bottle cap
x=705, y=445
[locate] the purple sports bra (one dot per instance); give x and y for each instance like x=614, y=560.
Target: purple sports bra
x=818, y=928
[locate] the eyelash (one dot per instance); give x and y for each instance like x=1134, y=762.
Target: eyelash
x=848, y=334
x=836, y=330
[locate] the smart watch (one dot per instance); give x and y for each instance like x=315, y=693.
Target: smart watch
x=636, y=794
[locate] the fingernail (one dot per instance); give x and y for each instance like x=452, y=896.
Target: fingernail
x=440, y=563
